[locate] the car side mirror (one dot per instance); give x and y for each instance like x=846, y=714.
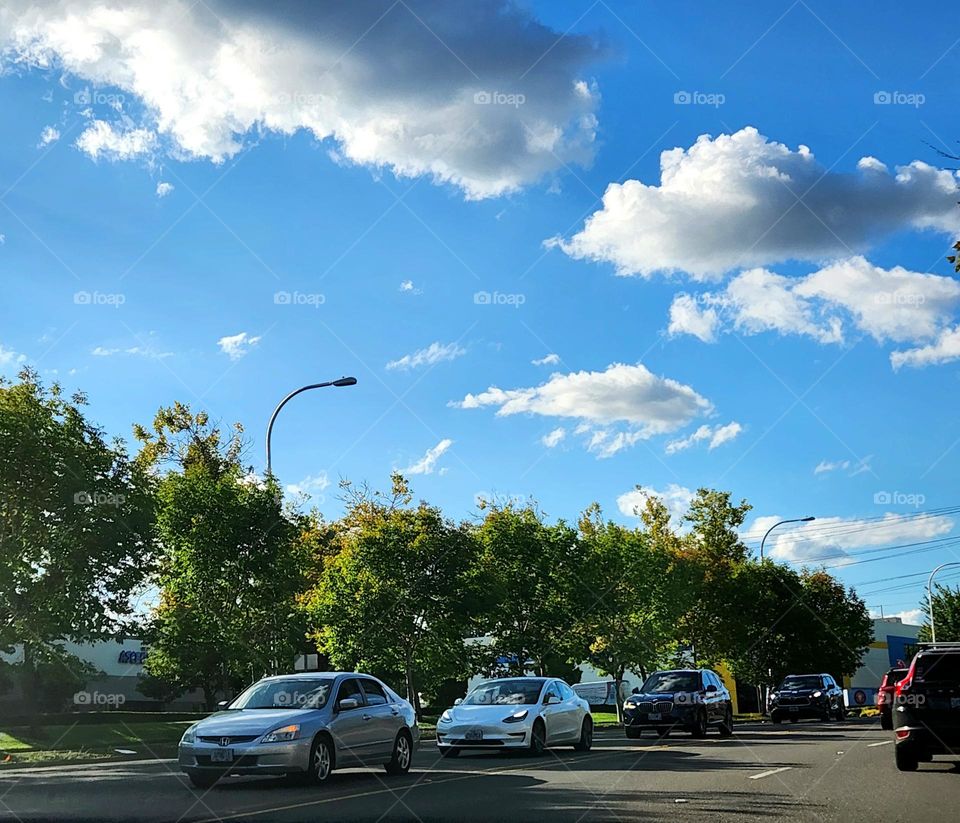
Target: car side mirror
x=348, y=703
x=550, y=699
x=635, y=690
x=711, y=688
x=223, y=704
x=458, y=701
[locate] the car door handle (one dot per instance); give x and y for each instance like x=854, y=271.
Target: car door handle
x=367, y=717
x=395, y=712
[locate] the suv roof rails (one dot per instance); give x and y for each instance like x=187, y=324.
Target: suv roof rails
x=938, y=645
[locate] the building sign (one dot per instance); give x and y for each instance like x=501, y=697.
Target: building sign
x=130, y=656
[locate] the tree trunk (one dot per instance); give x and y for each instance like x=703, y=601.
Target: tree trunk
x=412, y=695
x=209, y=696
x=618, y=681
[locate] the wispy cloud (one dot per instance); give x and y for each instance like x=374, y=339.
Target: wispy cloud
x=714, y=435
x=547, y=360
x=427, y=463
x=431, y=355
x=554, y=438
x=236, y=346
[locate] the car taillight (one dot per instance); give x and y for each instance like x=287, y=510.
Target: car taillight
x=902, y=734
x=907, y=682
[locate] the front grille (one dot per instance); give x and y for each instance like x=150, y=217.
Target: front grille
x=662, y=706
x=794, y=701
x=464, y=742
x=237, y=738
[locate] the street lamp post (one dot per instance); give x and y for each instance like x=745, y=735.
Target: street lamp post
x=343, y=381
x=794, y=520
x=933, y=630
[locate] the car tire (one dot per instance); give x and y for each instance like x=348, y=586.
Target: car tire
x=700, y=725
x=322, y=761
x=886, y=722
x=585, y=743
x=841, y=713
x=776, y=719
x=449, y=751
x=634, y=734
x=906, y=758
x=726, y=727
x=538, y=739
x=202, y=781
x=402, y=757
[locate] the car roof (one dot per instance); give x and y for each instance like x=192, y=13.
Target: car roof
x=315, y=675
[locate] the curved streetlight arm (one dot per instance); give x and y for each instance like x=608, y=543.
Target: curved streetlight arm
x=343, y=381
x=792, y=520
x=933, y=630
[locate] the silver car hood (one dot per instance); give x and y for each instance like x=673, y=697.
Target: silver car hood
x=250, y=721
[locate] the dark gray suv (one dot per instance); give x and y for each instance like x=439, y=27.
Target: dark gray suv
x=688, y=699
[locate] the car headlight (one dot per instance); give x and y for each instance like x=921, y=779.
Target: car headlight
x=627, y=704
x=818, y=694
x=516, y=717
x=446, y=717
x=291, y=732
x=190, y=735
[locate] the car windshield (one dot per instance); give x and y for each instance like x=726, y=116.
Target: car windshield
x=806, y=681
x=505, y=693
x=672, y=682
x=939, y=668
x=295, y=693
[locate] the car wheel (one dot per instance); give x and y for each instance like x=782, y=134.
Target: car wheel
x=449, y=751
x=633, y=734
x=841, y=713
x=538, y=739
x=585, y=742
x=700, y=725
x=202, y=781
x=399, y=763
x=886, y=722
x=321, y=761
x=907, y=760
x=726, y=727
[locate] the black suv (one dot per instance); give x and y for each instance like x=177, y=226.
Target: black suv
x=926, y=706
x=689, y=699
x=807, y=695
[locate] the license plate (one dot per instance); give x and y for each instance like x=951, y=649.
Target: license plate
x=474, y=734
x=794, y=708
x=654, y=715
x=221, y=756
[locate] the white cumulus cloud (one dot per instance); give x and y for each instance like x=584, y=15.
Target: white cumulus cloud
x=48, y=135
x=430, y=356
x=479, y=95
x=675, y=497
x=731, y=202
x=427, y=463
x=101, y=139
x=615, y=408
x=236, y=346
x=163, y=189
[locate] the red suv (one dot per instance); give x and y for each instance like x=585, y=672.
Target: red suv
x=885, y=696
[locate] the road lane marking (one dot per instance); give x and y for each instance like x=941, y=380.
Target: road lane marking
x=769, y=773
x=881, y=743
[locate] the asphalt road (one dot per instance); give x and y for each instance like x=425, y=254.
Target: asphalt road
x=802, y=772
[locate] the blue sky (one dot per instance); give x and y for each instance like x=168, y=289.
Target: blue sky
x=217, y=205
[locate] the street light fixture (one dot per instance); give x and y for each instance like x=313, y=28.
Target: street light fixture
x=794, y=520
x=342, y=381
x=933, y=630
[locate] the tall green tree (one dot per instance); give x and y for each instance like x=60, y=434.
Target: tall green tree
x=632, y=597
x=535, y=571
x=400, y=591
x=232, y=563
x=946, y=605
x=75, y=524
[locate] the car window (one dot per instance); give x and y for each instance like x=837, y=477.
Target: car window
x=713, y=679
x=551, y=690
x=938, y=668
x=829, y=682
x=510, y=692
x=662, y=682
x=803, y=681
x=350, y=689
x=376, y=696
x=293, y=693
x=565, y=691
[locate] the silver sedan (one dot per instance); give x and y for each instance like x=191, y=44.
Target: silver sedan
x=304, y=724
x=527, y=713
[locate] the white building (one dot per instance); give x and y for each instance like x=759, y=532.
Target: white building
x=893, y=645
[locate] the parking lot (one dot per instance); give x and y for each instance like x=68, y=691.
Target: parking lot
x=808, y=771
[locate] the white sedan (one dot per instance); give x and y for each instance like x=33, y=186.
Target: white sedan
x=527, y=713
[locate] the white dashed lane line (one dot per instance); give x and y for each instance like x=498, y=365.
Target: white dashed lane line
x=769, y=773
x=881, y=743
